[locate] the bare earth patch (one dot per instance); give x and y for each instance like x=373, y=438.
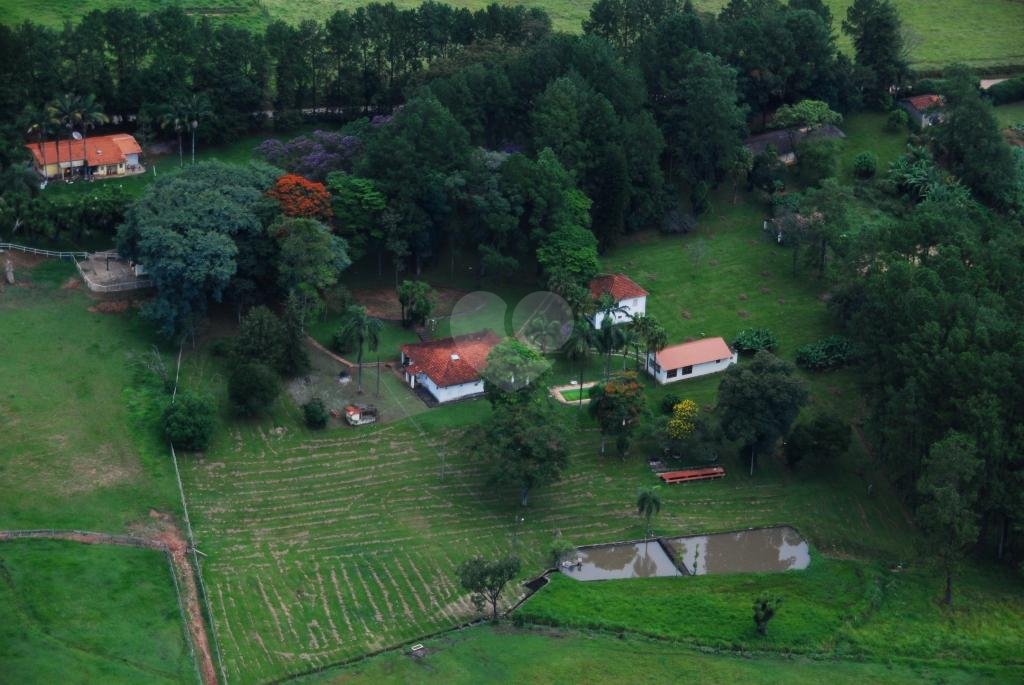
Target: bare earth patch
x=383, y=302
x=100, y=470
x=72, y=283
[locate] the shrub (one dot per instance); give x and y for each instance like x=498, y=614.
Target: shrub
x=754, y=340
x=865, y=164
x=897, y=121
x=823, y=439
x=188, y=421
x=260, y=339
x=315, y=413
x=677, y=222
x=829, y=353
x=252, y=389
x=816, y=160
x=669, y=402
x=1010, y=90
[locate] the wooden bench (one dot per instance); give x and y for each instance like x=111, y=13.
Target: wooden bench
x=708, y=473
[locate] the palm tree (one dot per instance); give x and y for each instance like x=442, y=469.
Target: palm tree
x=577, y=347
x=175, y=116
x=543, y=332
x=608, y=339
x=39, y=125
x=359, y=328
x=650, y=333
x=90, y=115
x=648, y=503
x=64, y=112
x=197, y=108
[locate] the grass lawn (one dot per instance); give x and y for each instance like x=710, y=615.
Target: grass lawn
x=1009, y=115
x=866, y=132
x=89, y=613
x=503, y=654
x=575, y=394
x=982, y=33
x=79, y=448
x=840, y=607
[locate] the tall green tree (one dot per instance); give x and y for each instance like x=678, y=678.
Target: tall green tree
x=618, y=405
x=514, y=374
x=261, y=339
x=486, y=580
x=759, y=401
x=523, y=446
x=578, y=347
x=359, y=330
x=948, y=489
x=971, y=138
x=876, y=30
x=416, y=300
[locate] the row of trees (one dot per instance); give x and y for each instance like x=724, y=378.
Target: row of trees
x=144, y=64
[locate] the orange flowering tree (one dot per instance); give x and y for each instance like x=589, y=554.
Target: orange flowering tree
x=300, y=197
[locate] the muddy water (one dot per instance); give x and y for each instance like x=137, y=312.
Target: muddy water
x=629, y=560
x=749, y=551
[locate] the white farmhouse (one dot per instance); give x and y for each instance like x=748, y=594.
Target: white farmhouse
x=630, y=298
x=688, y=360
x=449, y=368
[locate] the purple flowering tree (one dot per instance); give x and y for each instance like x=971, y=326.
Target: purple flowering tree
x=313, y=156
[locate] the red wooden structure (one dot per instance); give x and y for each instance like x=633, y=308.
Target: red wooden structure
x=708, y=473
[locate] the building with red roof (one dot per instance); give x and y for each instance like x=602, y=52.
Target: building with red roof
x=630, y=298
x=924, y=110
x=449, y=368
x=114, y=155
x=690, y=359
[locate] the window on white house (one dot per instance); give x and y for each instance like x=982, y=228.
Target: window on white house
x=687, y=370
x=672, y=373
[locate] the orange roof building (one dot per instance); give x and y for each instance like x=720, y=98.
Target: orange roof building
x=449, y=368
x=924, y=109
x=630, y=298
x=691, y=359
x=113, y=155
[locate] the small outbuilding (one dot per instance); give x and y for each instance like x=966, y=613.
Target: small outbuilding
x=630, y=298
x=449, y=368
x=98, y=157
x=924, y=110
x=691, y=359
x=785, y=140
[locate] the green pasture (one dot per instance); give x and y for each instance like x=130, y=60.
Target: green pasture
x=89, y=614
x=80, y=447
x=536, y=655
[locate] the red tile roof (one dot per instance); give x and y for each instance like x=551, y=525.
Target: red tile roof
x=923, y=102
x=620, y=286
x=692, y=353
x=101, y=149
x=451, y=361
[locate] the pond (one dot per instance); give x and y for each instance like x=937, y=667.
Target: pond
x=747, y=551
x=626, y=560
x=761, y=550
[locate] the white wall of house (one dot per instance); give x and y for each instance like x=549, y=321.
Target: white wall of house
x=664, y=376
x=631, y=306
x=451, y=392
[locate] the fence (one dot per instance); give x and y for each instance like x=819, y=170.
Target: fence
x=134, y=284
x=45, y=253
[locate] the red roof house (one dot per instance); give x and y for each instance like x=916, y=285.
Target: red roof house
x=923, y=109
x=630, y=298
x=691, y=359
x=113, y=155
x=449, y=368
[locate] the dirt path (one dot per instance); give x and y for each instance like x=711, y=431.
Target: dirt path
x=168, y=539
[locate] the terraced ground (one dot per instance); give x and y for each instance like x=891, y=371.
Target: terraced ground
x=325, y=547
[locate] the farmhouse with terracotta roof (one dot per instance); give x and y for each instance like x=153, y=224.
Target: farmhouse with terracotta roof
x=449, y=368
x=924, y=109
x=630, y=298
x=114, y=155
x=691, y=359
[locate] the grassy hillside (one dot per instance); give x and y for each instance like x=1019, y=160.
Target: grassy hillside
x=983, y=33
x=89, y=614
